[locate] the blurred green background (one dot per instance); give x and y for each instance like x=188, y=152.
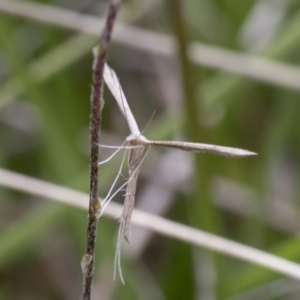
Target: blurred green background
x=45, y=79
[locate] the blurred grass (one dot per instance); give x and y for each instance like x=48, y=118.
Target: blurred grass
x=55, y=80
x=21, y=235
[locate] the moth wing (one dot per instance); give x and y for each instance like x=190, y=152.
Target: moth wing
x=114, y=86
x=206, y=148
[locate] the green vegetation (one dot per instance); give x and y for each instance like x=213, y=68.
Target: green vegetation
x=45, y=78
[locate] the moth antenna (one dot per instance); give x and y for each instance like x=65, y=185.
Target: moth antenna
x=150, y=120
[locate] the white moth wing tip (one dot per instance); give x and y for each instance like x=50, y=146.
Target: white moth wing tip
x=241, y=152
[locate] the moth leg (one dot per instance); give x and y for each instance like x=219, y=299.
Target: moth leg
x=108, y=159
x=109, y=197
x=117, y=261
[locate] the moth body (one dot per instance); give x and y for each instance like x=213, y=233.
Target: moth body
x=137, y=140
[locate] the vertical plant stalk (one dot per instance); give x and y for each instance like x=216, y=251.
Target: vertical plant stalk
x=188, y=72
x=100, y=54
x=202, y=212
x=189, y=82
